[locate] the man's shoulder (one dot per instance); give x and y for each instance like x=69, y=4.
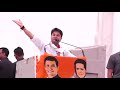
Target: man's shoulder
x=115, y=54
x=118, y=53
x=6, y=62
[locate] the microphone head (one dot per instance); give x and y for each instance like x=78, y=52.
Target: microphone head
x=56, y=40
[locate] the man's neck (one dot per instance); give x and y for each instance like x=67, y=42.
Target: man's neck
x=52, y=76
x=57, y=45
x=20, y=58
x=4, y=58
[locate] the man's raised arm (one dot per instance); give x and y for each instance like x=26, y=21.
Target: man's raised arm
x=20, y=24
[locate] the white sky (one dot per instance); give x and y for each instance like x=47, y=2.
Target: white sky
x=78, y=28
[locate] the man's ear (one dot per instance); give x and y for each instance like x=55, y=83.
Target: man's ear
x=4, y=54
x=58, y=68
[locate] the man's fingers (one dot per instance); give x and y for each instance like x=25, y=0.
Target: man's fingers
x=18, y=22
x=15, y=21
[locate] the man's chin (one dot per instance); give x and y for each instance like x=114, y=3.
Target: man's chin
x=52, y=75
x=81, y=76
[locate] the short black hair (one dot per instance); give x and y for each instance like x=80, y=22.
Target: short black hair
x=57, y=30
x=80, y=61
x=51, y=58
x=19, y=51
x=5, y=50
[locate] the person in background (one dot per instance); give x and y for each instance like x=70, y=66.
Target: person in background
x=19, y=55
x=113, y=66
x=6, y=66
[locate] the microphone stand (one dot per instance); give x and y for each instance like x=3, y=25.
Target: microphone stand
x=76, y=47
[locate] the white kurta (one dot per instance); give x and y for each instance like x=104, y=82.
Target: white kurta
x=50, y=48
x=26, y=68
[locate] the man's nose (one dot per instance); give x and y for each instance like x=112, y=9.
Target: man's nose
x=50, y=68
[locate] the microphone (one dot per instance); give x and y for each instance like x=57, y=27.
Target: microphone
x=56, y=40
x=74, y=46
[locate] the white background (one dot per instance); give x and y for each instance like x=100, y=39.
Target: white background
x=79, y=28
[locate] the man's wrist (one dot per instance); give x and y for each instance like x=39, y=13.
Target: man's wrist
x=22, y=27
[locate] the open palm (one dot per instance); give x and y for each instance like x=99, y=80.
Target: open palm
x=18, y=22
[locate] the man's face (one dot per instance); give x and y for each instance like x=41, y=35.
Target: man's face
x=80, y=70
x=15, y=56
x=51, y=68
x=1, y=54
x=56, y=35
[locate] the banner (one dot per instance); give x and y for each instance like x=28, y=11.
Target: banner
x=65, y=66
